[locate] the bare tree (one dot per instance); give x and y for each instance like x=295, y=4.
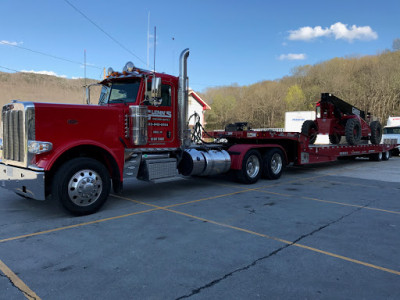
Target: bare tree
x=396, y=44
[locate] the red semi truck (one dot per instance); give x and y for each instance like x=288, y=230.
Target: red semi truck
x=138, y=129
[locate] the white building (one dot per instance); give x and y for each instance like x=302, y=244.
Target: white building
x=196, y=104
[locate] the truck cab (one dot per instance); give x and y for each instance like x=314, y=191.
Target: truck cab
x=76, y=153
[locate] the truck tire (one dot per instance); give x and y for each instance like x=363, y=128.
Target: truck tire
x=353, y=131
x=335, y=138
x=273, y=164
x=376, y=132
x=386, y=155
x=81, y=185
x=395, y=152
x=251, y=167
x=376, y=156
x=310, y=129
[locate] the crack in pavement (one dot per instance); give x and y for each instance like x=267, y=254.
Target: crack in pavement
x=216, y=281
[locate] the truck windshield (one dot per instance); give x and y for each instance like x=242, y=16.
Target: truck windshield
x=391, y=130
x=121, y=92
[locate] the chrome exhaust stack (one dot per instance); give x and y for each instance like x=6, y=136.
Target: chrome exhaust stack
x=183, y=101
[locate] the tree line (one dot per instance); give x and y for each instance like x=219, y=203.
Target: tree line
x=371, y=83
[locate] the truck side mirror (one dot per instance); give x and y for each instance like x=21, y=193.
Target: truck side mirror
x=156, y=87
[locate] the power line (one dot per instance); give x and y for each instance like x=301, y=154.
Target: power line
x=49, y=55
x=9, y=69
x=102, y=30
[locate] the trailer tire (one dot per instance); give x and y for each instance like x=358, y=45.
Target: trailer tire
x=335, y=138
x=376, y=132
x=386, y=155
x=251, y=167
x=81, y=185
x=310, y=129
x=376, y=156
x=273, y=164
x=353, y=131
x=395, y=152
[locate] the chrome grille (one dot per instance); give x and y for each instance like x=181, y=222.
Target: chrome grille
x=13, y=135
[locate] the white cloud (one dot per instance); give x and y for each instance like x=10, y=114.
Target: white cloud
x=51, y=73
x=337, y=30
x=10, y=43
x=292, y=56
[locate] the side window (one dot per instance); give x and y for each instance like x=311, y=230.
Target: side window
x=165, y=96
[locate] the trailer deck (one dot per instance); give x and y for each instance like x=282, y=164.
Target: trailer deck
x=298, y=149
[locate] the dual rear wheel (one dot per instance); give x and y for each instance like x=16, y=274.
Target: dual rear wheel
x=254, y=166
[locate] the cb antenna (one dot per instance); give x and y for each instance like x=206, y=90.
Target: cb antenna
x=155, y=39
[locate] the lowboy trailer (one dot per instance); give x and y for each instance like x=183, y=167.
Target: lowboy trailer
x=278, y=149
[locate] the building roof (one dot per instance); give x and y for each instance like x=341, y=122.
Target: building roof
x=199, y=100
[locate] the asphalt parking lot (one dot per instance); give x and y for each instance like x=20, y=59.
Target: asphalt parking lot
x=328, y=231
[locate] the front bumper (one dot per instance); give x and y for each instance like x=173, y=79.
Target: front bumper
x=24, y=182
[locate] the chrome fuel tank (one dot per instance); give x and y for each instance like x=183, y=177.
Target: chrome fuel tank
x=138, y=124
x=204, y=162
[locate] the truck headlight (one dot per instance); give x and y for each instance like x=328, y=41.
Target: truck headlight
x=37, y=147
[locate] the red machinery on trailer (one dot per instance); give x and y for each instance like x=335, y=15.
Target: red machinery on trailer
x=338, y=118
x=138, y=129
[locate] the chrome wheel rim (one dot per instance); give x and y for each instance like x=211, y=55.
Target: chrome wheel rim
x=276, y=163
x=84, y=187
x=252, y=166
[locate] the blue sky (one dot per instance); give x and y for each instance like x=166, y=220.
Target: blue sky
x=231, y=42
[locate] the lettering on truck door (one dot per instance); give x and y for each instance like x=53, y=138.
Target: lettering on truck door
x=161, y=118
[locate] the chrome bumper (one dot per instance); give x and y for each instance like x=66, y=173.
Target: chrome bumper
x=24, y=182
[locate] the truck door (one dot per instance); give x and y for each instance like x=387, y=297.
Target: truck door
x=162, y=117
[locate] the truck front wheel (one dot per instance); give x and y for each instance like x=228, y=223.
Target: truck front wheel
x=81, y=185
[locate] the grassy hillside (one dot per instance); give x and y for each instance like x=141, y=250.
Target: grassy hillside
x=41, y=88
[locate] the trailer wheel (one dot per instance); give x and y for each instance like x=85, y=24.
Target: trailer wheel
x=376, y=132
x=386, y=155
x=251, y=167
x=353, y=131
x=81, y=185
x=376, y=156
x=273, y=164
x=395, y=152
x=335, y=138
x=310, y=129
